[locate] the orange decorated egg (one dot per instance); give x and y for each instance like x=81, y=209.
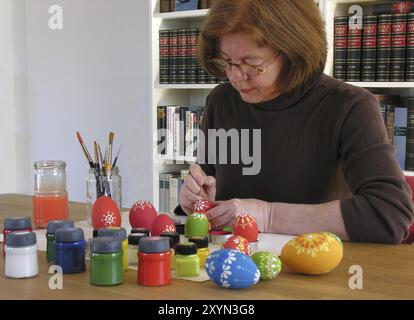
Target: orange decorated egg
x=238, y=243
x=313, y=253
x=246, y=227
x=202, y=206
x=162, y=223
x=142, y=215
x=105, y=213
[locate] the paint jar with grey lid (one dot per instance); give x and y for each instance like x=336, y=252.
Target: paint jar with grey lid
x=21, y=255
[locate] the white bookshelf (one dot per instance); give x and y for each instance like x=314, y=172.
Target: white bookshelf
x=195, y=94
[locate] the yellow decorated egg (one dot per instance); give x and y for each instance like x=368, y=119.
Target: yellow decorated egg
x=313, y=253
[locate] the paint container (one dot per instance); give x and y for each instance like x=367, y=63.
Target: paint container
x=21, y=255
x=119, y=234
x=52, y=226
x=106, y=262
x=174, y=238
x=202, y=249
x=13, y=224
x=70, y=246
x=154, y=267
x=187, y=262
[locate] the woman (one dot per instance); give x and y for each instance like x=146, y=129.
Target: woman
x=313, y=129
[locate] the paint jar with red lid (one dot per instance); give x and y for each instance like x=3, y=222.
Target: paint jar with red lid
x=154, y=262
x=13, y=224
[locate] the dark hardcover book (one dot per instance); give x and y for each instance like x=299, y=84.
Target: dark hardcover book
x=164, y=6
x=161, y=126
x=398, y=47
x=369, y=49
x=409, y=160
x=172, y=5
x=394, y=7
x=382, y=101
x=340, y=45
x=384, y=47
x=354, y=52
x=400, y=134
x=182, y=56
x=164, y=56
x=182, y=111
x=203, y=4
x=174, y=57
x=409, y=74
x=390, y=122
x=202, y=75
x=192, y=55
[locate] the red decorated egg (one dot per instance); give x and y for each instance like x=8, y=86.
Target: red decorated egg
x=238, y=243
x=246, y=227
x=162, y=223
x=202, y=206
x=105, y=213
x=142, y=215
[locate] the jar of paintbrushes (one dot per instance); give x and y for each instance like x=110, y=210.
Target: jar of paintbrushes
x=103, y=176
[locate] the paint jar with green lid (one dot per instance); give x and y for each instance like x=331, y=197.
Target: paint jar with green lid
x=187, y=262
x=119, y=234
x=202, y=249
x=106, y=261
x=52, y=226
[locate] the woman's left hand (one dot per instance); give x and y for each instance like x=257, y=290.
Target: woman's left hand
x=225, y=213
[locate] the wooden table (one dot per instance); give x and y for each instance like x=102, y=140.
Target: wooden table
x=388, y=273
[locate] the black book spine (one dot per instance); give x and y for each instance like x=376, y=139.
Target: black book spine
x=340, y=45
x=202, y=75
x=182, y=56
x=192, y=56
x=409, y=163
x=354, y=52
x=398, y=47
x=384, y=47
x=174, y=58
x=369, y=49
x=409, y=75
x=164, y=39
x=161, y=126
x=393, y=7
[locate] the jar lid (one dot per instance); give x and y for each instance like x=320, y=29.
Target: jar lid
x=201, y=242
x=17, y=223
x=49, y=164
x=174, y=238
x=154, y=245
x=105, y=245
x=69, y=235
x=21, y=239
x=117, y=233
x=141, y=230
x=134, y=238
x=52, y=226
x=186, y=248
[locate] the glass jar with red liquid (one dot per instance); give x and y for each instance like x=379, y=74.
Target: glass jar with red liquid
x=50, y=199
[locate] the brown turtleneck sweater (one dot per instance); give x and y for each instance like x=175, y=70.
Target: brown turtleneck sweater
x=327, y=127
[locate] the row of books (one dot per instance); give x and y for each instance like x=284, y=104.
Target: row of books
x=380, y=48
x=180, y=5
x=178, y=58
x=178, y=130
x=398, y=114
x=169, y=190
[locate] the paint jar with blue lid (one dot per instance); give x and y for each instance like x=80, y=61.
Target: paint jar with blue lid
x=106, y=262
x=119, y=234
x=70, y=246
x=52, y=226
x=21, y=255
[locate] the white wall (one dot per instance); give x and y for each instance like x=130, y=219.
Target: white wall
x=92, y=76
x=14, y=131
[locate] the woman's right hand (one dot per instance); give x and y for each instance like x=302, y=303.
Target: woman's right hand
x=197, y=186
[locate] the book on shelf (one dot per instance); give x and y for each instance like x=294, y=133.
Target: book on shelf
x=170, y=184
x=410, y=48
x=182, y=56
x=409, y=162
x=354, y=51
x=400, y=134
x=174, y=57
x=392, y=7
x=340, y=47
x=369, y=48
x=164, y=39
x=384, y=47
x=398, y=47
x=185, y=5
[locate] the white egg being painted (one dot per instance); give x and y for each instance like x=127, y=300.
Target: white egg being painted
x=232, y=269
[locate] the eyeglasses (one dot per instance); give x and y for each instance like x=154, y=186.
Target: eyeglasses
x=249, y=69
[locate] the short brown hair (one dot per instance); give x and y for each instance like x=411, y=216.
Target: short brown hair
x=293, y=27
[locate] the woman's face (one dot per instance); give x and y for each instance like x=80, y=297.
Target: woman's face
x=239, y=48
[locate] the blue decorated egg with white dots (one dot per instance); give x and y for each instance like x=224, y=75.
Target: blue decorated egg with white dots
x=232, y=269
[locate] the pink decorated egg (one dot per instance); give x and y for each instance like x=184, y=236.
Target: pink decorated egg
x=246, y=227
x=162, y=223
x=202, y=206
x=142, y=215
x=105, y=213
x=238, y=243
